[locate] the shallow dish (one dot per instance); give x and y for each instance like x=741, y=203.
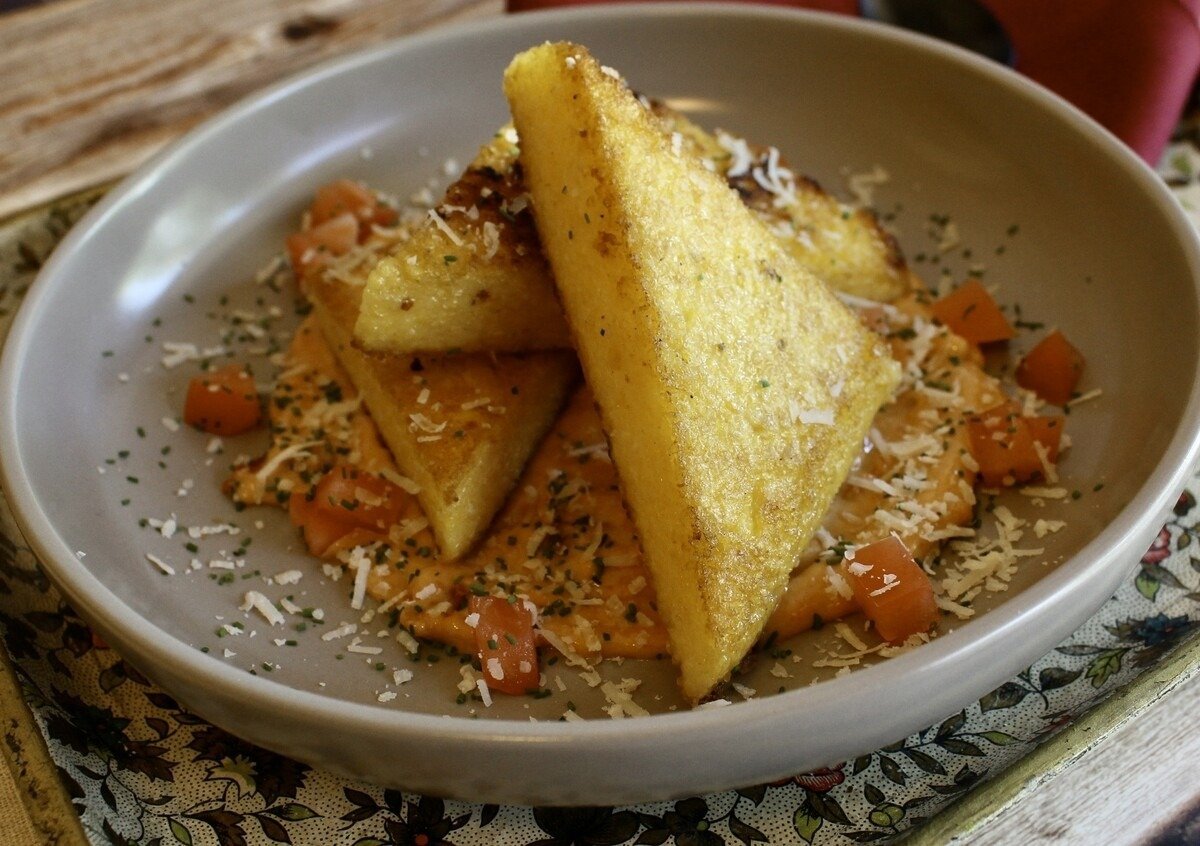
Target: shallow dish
x=1072, y=226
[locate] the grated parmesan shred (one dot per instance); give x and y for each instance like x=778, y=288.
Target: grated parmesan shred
x=263, y=606
x=286, y=454
x=359, y=561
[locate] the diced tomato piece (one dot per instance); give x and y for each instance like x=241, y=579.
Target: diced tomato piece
x=336, y=236
x=341, y=215
x=891, y=589
x=342, y=196
x=1002, y=443
x=970, y=311
x=223, y=402
x=1047, y=430
x=320, y=528
x=343, y=501
x=504, y=643
x=348, y=197
x=1051, y=369
x=363, y=500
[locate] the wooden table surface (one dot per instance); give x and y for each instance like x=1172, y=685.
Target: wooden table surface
x=92, y=89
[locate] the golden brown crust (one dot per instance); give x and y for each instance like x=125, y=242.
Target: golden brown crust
x=711, y=352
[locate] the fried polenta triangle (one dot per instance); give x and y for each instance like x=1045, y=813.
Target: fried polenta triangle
x=472, y=277
x=734, y=387
x=846, y=248
x=461, y=426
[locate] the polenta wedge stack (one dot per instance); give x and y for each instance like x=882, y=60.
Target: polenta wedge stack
x=472, y=277
x=733, y=386
x=460, y=426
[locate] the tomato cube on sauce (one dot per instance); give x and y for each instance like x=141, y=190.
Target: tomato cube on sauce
x=343, y=501
x=223, y=402
x=970, y=311
x=312, y=247
x=1051, y=369
x=504, y=643
x=345, y=196
x=1005, y=444
x=891, y=589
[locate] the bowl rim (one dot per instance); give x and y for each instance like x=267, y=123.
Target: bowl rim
x=1092, y=573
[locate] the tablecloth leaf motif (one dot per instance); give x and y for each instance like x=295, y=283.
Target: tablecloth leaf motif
x=143, y=771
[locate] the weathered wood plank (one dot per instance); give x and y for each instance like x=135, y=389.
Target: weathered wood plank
x=1137, y=782
x=91, y=89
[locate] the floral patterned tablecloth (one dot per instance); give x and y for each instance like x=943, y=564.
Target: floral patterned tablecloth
x=139, y=769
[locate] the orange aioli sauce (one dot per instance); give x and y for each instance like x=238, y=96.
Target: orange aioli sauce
x=564, y=539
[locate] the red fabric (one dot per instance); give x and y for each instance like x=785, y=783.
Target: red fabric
x=1130, y=64
x=844, y=7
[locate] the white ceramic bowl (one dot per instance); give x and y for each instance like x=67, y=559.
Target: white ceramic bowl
x=1102, y=251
